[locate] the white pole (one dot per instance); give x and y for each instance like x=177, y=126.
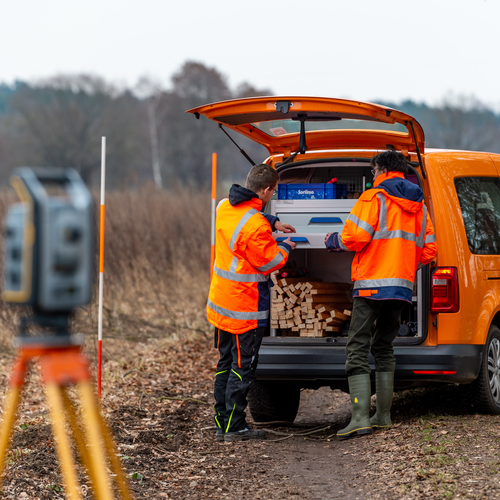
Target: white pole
x=101, y=265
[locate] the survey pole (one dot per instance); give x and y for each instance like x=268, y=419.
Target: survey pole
x=101, y=266
x=214, y=196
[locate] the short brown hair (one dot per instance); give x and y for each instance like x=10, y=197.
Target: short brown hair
x=260, y=177
x=392, y=161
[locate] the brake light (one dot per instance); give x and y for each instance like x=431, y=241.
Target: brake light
x=444, y=290
x=434, y=372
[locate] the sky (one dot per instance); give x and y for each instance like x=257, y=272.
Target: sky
x=390, y=50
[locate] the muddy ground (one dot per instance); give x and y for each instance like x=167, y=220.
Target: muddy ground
x=157, y=399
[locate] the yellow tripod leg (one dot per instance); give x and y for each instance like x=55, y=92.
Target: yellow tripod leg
x=13, y=397
x=93, y=427
x=110, y=448
x=56, y=406
x=115, y=463
x=77, y=433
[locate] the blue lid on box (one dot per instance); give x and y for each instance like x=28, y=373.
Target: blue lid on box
x=311, y=191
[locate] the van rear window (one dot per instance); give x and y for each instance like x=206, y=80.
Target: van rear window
x=479, y=199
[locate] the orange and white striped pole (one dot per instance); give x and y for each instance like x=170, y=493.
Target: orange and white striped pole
x=101, y=266
x=214, y=196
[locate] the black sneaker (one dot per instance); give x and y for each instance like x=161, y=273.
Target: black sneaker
x=219, y=435
x=244, y=435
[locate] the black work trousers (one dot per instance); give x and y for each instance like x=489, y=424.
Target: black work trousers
x=363, y=330
x=239, y=355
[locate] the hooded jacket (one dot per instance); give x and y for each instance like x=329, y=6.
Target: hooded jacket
x=391, y=232
x=245, y=254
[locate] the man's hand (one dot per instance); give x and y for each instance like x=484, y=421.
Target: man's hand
x=332, y=242
x=288, y=241
x=285, y=228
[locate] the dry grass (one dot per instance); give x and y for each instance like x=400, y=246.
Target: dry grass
x=156, y=275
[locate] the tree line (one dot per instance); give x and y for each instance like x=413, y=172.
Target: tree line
x=59, y=122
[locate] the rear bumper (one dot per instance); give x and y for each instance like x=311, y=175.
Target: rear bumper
x=325, y=364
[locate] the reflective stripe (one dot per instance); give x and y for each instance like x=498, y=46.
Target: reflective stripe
x=229, y=423
x=430, y=238
x=383, y=282
x=384, y=234
x=218, y=373
x=234, y=265
x=243, y=278
x=246, y=217
x=341, y=243
x=218, y=423
x=272, y=263
x=285, y=249
x=221, y=202
x=236, y=373
x=361, y=224
x=398, y=233
x=383, y=212
x=421, y=236
x=243, y=315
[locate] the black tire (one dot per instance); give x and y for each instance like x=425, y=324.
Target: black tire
x=271, y=401
x=483, y=394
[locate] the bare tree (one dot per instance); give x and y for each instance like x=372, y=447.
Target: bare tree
x=151, y=91
x=246, y=89
x=192, y=141
x=200, y=84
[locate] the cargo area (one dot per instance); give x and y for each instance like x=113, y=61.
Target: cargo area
x=312, y=296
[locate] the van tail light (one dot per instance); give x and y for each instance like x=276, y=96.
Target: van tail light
x=444, y=290
x=435, y=372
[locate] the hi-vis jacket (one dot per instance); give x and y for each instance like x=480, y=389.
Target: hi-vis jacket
x=245, y=253
x=391, y=232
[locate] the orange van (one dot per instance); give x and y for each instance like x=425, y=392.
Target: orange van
x=451, y=331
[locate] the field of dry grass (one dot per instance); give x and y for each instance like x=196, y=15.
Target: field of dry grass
x=157, y=259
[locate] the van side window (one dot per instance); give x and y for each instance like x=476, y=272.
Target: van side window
x=479, y=199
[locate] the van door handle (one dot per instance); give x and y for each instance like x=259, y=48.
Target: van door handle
x=325, y=220
x=491, y=275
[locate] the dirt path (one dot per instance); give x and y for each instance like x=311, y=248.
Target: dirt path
x=434, y=450
x=324, y=470
x=158, y=401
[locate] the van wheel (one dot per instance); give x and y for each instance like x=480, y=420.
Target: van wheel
x=483, y=394
x=271, y=401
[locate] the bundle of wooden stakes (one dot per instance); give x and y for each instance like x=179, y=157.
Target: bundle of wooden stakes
x=302, y=307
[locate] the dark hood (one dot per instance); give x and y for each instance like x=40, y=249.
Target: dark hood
x=239, y=194
x=401, y=188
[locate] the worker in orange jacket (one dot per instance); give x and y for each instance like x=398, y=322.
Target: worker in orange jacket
x=392, y=234
x=239, y=299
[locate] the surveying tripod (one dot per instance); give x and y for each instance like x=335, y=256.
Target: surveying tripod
x=62, y=365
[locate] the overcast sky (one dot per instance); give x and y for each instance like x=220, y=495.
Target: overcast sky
x=424, y=50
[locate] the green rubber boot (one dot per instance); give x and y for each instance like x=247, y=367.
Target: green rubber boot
x=385, y=387
x=360, y=391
